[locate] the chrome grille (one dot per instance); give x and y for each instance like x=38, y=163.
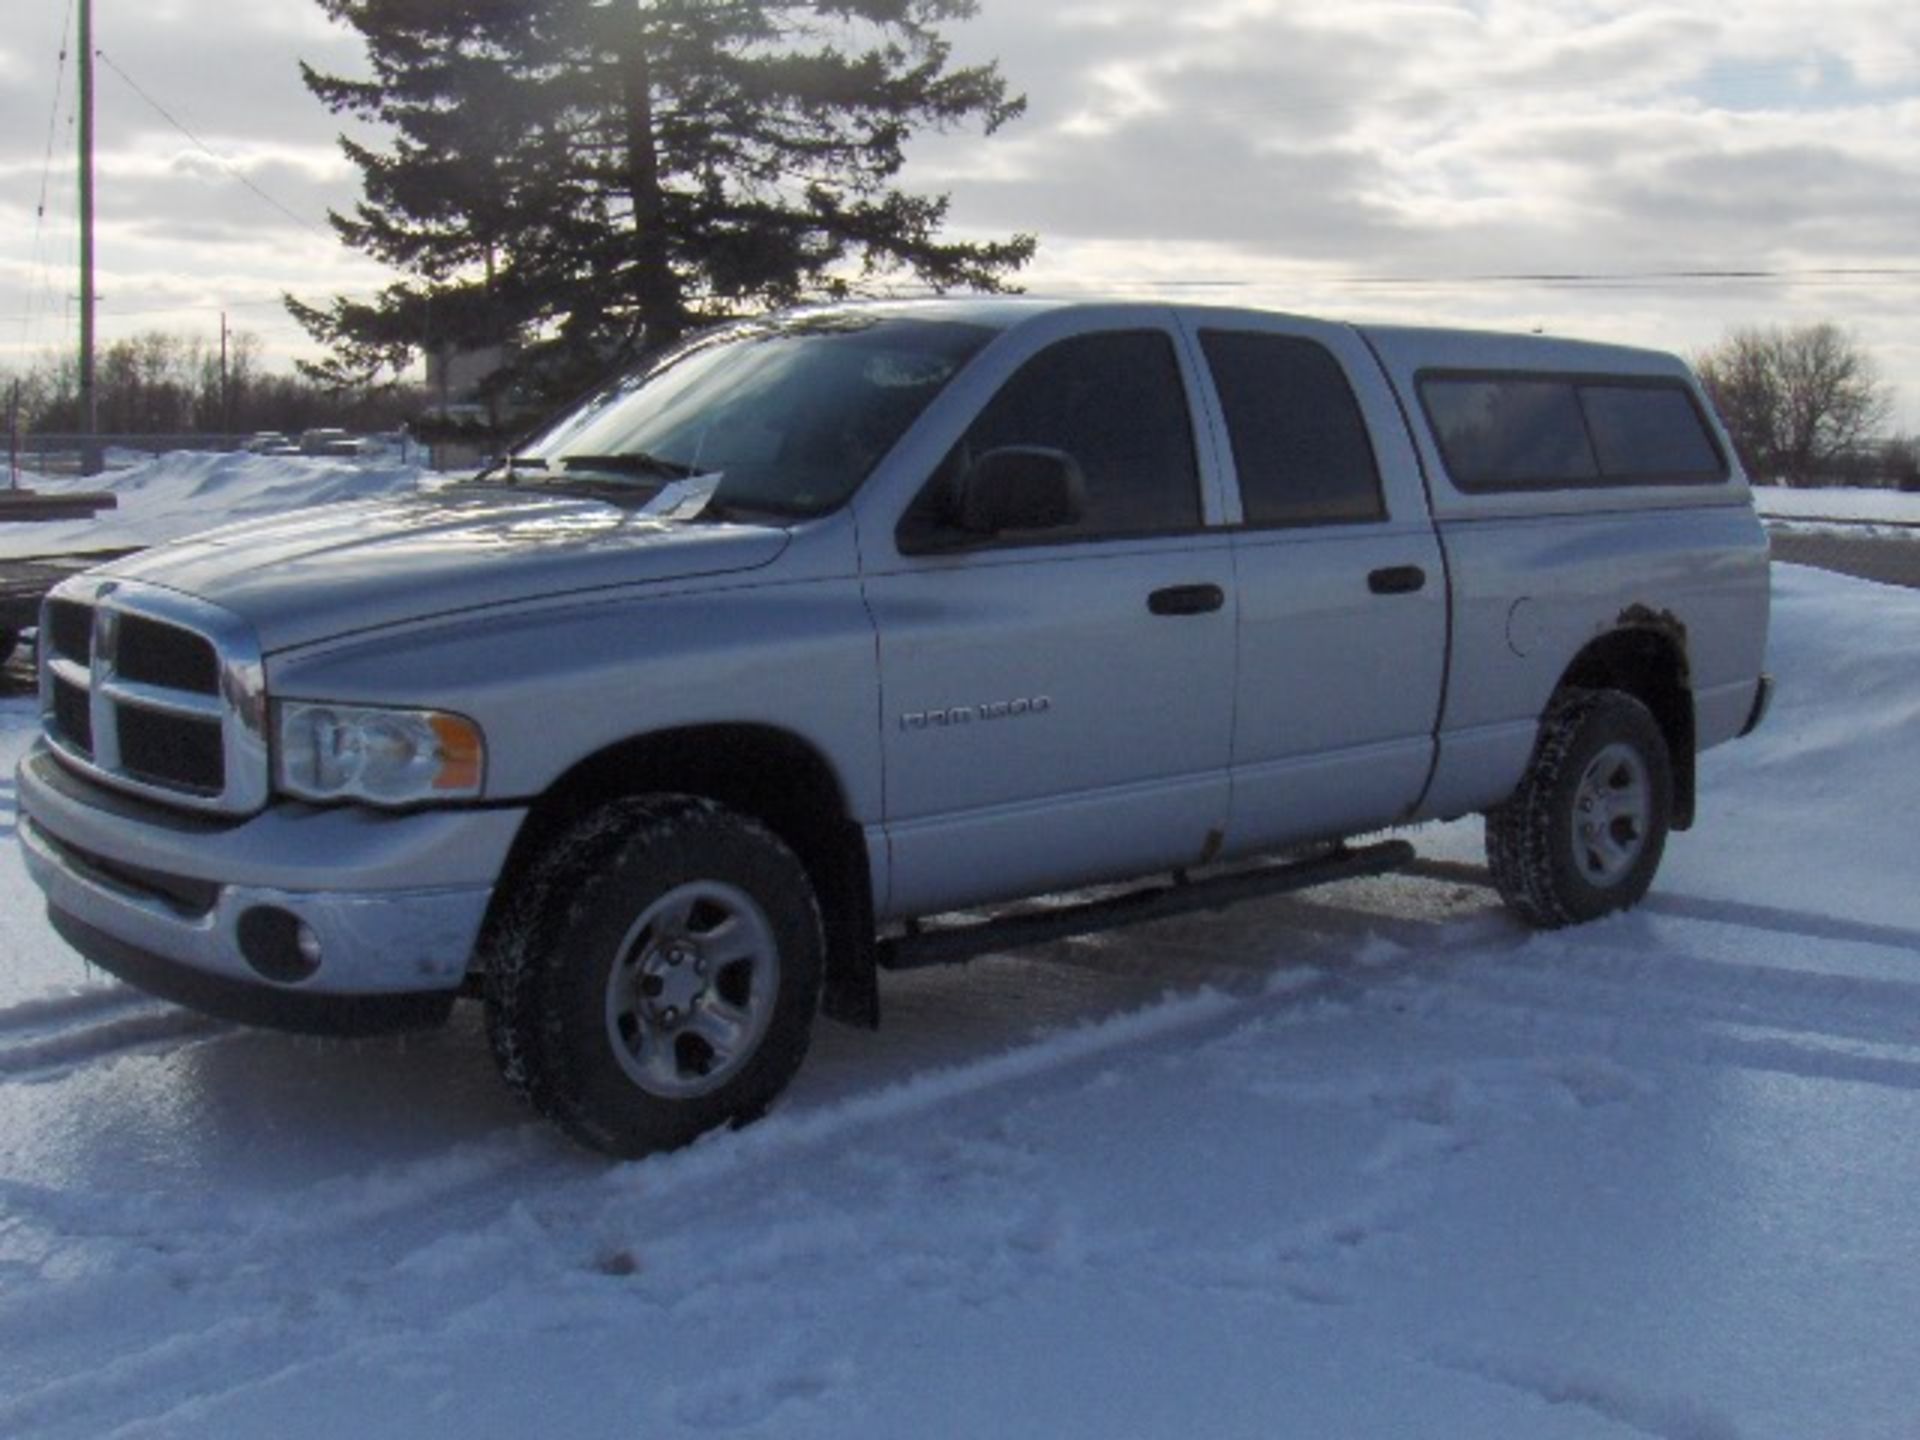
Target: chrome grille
x=152, y=653
x=69, y=628
x=155, y=693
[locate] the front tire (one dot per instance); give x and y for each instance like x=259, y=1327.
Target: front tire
x=657, y=976
x=1583, y=834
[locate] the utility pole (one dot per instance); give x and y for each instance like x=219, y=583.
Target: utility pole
x=89, y=407
x=13, y=437
x=226, y=395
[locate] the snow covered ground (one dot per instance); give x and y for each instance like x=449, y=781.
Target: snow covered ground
x=1367, y=1162
x=178, y=493
x=1892, y=508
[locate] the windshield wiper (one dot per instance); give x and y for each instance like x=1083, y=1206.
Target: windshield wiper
x=507, y=467
x=631, y=462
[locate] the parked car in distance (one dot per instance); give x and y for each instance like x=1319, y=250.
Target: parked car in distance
x=269, y=442
x=804, y=651
x=328, y=441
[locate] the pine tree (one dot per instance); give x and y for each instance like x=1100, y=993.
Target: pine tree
x=590, y=181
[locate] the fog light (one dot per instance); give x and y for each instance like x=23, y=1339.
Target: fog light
x=278, y=944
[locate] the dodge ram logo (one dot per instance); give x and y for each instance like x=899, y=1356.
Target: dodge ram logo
x=959, y=715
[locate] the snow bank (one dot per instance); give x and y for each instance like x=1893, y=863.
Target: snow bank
x=1817, y=809
x=184, y=491
x=1777, y=501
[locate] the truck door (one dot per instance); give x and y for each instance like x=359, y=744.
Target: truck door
x=1057, y=705
x=1342, y=586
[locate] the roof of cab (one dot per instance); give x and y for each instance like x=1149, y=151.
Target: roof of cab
x=1405, y=350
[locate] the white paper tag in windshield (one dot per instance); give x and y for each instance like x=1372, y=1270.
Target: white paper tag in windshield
x=683, y=499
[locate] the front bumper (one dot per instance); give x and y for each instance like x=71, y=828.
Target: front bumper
x=393, y=903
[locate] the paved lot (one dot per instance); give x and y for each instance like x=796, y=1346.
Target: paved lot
x=1891, y=562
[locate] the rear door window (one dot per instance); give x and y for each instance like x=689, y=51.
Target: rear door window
x=1649, y=432
x=1300, y=445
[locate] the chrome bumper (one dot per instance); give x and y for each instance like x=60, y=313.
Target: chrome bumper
x=405, y=899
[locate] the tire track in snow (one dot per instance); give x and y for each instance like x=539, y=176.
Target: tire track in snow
x=1808, y=924
x=78, y=1005
x=43, y=1039
x=1660, y=1417
x=1871, y=999
x=275, y=1284
x=1689, y=1005
x=1723, y=1041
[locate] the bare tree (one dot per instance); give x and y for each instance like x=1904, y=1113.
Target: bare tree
x=161, y=383
x=1900, y=463
x=1794, y=400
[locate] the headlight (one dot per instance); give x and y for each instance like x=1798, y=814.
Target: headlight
x=384, y=757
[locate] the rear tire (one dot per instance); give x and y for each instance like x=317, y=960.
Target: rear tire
x=1583, y=834
x=657, y=976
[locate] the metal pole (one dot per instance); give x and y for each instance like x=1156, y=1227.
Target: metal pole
x=226, y=401
x=89, y=407
x=13, y=437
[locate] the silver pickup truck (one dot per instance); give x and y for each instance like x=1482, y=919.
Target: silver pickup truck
x=728, y=689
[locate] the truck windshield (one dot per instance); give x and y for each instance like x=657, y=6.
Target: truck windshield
x=790, y=413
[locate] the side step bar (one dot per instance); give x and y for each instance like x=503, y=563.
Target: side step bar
x=951, y=945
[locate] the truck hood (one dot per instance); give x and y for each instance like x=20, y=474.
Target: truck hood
x=336, y=569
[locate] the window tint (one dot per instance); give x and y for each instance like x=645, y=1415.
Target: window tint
x=1648, y=432
x=1299, y=443
x=1521, y=433
x=1115, y=403
x=1500, y=432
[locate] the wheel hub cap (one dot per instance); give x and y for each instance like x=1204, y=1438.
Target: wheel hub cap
x=672, y=981
x=1612, y=807
x=691, y=991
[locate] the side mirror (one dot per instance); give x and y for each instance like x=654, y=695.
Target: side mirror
x=1020, y=487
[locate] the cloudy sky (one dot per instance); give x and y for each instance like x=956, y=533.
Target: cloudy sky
x=1646, y=172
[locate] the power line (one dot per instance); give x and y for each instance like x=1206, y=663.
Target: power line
x=192, y=306
x=1813, y=274
x=218, y=159
x=53, y=116
x=1838, y=276
x=1692, y=87
x=38, y=264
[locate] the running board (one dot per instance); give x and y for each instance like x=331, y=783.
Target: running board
x=951, y=945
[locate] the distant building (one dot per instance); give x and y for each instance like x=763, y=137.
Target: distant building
x=454, y=374
x=461, y=426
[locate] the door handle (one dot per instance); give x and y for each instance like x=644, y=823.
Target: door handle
x=1397, y=580
x=1186, y=600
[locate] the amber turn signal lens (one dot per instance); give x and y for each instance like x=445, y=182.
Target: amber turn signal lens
x=461, y=753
